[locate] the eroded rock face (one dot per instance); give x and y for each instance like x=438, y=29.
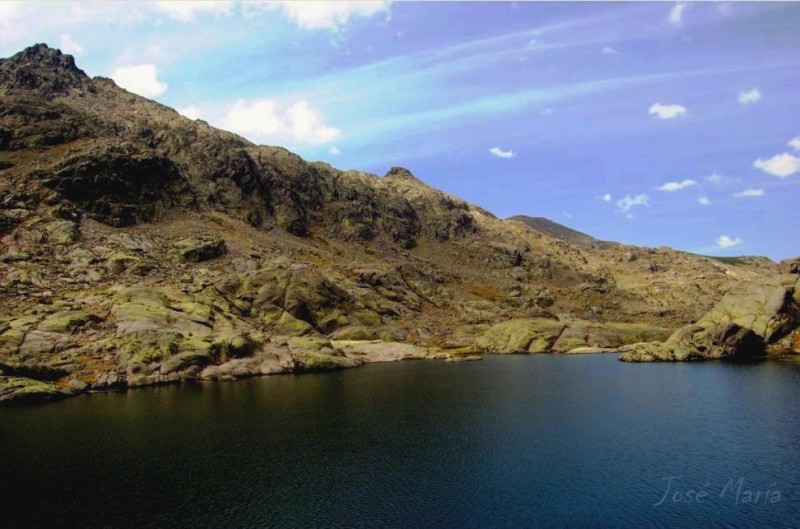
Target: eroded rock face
x=740, y=327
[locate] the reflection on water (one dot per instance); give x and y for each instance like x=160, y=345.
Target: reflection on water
x=511, y=441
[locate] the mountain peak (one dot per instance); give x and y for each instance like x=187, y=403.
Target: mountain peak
x=401, y=173
x=43, y=68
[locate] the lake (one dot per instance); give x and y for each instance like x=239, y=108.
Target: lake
x=514, y=441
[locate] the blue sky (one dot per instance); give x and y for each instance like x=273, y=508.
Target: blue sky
x=655, y=123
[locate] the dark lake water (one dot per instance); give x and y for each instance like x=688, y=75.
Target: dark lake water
x=518, y=441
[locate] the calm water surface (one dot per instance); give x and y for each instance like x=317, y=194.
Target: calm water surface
x=519, y=441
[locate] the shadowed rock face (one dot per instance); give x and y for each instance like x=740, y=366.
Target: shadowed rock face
x=116, y=187
x=140, y=247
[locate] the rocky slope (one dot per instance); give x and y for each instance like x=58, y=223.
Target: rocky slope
x=140, y=247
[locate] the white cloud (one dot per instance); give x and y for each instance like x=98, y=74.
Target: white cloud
x=723, y=241
x=704, y=201
x=190, y=111
x=262, y=121
x=11, y=21
x=676, y=13
x=141, y=79
x=607, y=197
x=677, y=186
x=714, y=178
x=335, y=150
x=750, y=96
x=608, y=50
x=329, y=14
x=750, y=192
x=780, y=165
x=187, y=10
x=667, y=111
x=795, y=143
x=70, y=45
x=629, y=202
x=500, y=153
x=9, y=9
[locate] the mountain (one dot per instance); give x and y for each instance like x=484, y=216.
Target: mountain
x=559, y=231
x=140, y=247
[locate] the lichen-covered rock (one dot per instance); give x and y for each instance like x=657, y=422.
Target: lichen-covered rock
x=15, y=255
x=182, y=361
x=20, y=390
x=314, y=361
x=521, y=336
x=62, y=231
x=197, y=250
x=119, y=262
x=67, y=321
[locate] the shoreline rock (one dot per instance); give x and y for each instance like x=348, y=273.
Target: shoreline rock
x=750, y=322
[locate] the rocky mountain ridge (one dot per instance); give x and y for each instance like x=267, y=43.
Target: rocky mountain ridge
x=559, y=231
x=140, y=247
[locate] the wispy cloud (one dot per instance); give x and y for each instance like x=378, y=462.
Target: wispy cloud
x=676, y=13
x=629, y=202
x=676, y=186
x=70, y=45
x=795, y=143
x=750, y=96
x=189, y=10
x=667, y=111
x=714, y=178
x=750, y=192
x=724, y=241
x=500, y=153
x=335, y=150
x=191, y=111
x=328, y=14
x=780, y=165
x=704, y=201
